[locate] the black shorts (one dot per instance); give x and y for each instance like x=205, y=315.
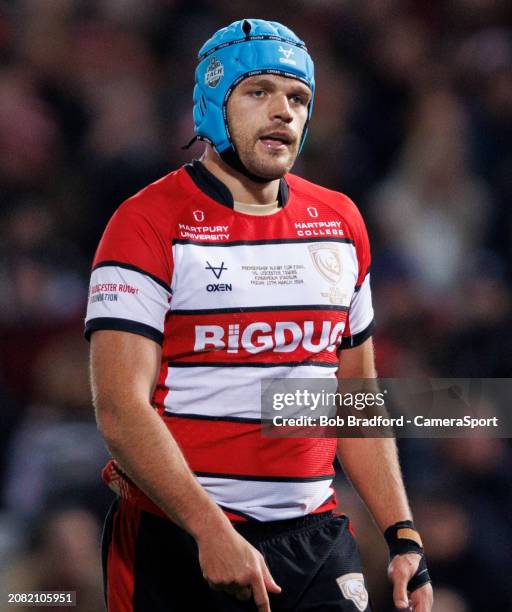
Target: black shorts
x=151, y=565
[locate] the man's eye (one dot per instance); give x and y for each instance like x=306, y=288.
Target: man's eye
x=298, y=100
x=258, y=93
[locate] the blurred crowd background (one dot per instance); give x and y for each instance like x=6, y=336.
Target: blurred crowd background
x=412, y=120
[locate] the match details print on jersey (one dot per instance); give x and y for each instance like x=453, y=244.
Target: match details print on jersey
x=234, y=299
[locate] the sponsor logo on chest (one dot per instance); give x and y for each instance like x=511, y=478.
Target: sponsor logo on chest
x=217, y=272
x=316, y=229
x=203, y=232
x=279, y=337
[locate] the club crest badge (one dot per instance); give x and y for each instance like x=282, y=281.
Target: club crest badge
x=352, y=587
x=327, y=261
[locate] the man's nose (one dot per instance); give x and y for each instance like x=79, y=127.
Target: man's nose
x=280, y=108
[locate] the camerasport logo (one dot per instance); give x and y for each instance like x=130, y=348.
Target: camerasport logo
x=214, y=73
x=278, y=337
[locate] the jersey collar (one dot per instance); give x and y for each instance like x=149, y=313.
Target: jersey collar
x=215, y=189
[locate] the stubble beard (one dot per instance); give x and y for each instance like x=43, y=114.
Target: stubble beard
x=270, y=165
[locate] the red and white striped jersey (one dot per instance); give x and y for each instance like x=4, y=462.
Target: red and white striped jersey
x=235, y=299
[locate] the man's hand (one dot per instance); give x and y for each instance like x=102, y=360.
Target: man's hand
x=401, y=569
x=229, y=563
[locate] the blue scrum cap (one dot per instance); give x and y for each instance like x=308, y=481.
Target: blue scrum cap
x=243, y=49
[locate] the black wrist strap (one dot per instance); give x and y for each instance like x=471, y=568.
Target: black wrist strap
x=421, y=576
x=402, y=538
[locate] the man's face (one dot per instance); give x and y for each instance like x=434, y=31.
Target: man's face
x=266, y=117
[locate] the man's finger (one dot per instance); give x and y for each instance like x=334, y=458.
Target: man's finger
x=422, y=599
x=270, y=584
x=421, y=607
x=400, y=590
x=260, y=594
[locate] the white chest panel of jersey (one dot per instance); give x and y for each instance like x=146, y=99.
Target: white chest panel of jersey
x=272, y=274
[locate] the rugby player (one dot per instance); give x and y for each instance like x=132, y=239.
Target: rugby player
x=206, y=283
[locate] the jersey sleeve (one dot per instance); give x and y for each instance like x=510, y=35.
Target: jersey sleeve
x=360, y=321
x=131, y=276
